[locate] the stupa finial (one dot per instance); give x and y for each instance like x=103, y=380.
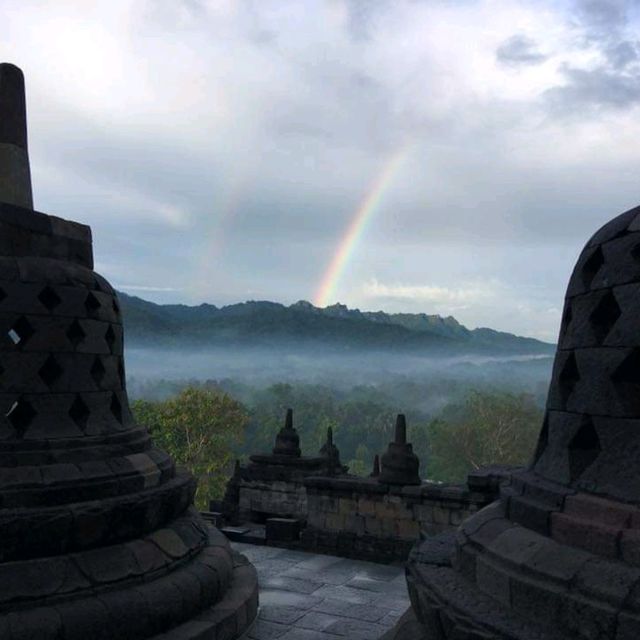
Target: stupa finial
x=15, y=174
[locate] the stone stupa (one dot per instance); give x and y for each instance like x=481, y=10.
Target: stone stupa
x=558, y=556
x=99, y=539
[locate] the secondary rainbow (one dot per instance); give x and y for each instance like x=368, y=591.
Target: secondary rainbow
x=367, y=207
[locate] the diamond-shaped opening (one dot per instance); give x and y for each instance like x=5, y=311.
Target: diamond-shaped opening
x=92, y=304
x=110, y=337
x=543, y=440
x=21, y=415
x=79, y=412
x=592, y=266
x=116, y=408
x=628, y=370
x=568, y=377
x=604, y=316
x=97, y=370
x=121, y=372
x=49, y=298
x=50, y=371
x=583, y=449
x=21, y=331
x=75, y=333
x=567, y=316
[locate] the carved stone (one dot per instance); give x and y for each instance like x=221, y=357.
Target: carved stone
x=558, y=556
x=287, y=440
x=15, y=175
x=98, y=535
x=399, y=464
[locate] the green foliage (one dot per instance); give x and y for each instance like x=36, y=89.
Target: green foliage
x=362, y=464
x=487, y=428
x=199, y=428
x=472, y=429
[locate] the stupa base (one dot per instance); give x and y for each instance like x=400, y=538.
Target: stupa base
x=170, y=586
x=229, y=618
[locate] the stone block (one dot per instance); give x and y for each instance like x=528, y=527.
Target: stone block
x=386, y=510
x=457, y=516
x=606, y=581
x=347, y=505
x=537, y=600
x=440, y=515
x=373, y=526
x=408, y=529
x=557, y=561
x=493, y=581
x=606, y=512
x=588, y=618
x=335, y=521
x=423, y=512
x=366, y=507
x=42, y=623
x=630, y=546
x=355, y=523
x=282, y=529
x=599, y=539
x=628, y=626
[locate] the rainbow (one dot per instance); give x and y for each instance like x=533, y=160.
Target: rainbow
x=367, y=207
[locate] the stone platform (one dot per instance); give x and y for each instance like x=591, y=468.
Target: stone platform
x=305, y=596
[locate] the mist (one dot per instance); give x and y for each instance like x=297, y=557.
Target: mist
x=424, y=382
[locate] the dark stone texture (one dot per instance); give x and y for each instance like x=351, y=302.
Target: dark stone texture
x=558, y=555
x=287, y=440
x=13, y=111
x=399, y=465
x=99, y=538
x=282, y=529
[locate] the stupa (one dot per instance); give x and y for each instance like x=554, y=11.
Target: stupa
x=99, y=538
x=558, y=556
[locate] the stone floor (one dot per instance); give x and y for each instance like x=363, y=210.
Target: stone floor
x=304, y=596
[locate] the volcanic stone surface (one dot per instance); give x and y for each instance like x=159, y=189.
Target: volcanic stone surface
x=15, y=175
x=99, y=539
x=558, y=556
x=305, y=596
x=399, y=464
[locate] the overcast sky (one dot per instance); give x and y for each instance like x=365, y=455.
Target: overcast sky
x=220, y=149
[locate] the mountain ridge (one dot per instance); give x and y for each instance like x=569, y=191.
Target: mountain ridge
x=265, y=323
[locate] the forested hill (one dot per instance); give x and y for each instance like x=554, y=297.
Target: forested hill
x=269, y=324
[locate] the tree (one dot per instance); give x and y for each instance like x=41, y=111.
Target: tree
x=486, y=428
x=198, y=428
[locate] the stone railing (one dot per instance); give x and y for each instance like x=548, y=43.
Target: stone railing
x=364, y=518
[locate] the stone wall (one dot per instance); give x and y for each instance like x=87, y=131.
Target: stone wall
x=361, y=517
x=259, y=500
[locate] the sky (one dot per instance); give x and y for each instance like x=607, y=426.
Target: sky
x=437, y=156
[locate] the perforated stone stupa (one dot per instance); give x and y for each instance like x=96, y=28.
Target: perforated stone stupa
x=558, y=556
x=98, y=536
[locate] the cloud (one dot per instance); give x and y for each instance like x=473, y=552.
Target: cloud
x=218, y=147
x=599, y=87
x=601, y=17
x=434, y=294
x=519, y=50
x=141, y=287
x=623, y=54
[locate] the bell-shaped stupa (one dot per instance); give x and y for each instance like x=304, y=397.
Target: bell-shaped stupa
x=558, y=556
x=98, y=535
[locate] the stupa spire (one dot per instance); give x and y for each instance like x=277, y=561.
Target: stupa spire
x=15, y=174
